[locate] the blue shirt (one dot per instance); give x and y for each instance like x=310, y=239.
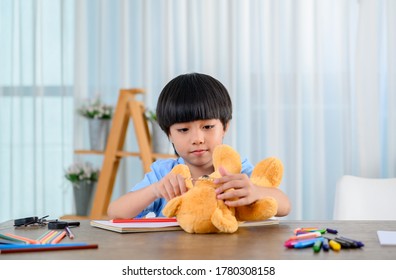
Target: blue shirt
x=160, y=169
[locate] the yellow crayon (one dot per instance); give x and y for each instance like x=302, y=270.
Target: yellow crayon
x=334, y=245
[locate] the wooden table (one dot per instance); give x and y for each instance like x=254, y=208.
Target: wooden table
x=256, y=243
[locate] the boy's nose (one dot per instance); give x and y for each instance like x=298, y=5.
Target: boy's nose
x=198, y=137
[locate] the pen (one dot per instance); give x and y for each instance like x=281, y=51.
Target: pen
x=69, y=232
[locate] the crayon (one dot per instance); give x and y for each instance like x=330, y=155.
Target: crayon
x=356, y=244
x=307, y=243
x=318, y=245
x=334, y=245
x=325, y=245
x=305, y=229
x=333, y=231
x=305, y=236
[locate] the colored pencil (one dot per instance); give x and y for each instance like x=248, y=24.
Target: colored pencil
x=69, y=233
x=17, y=246
x=145, y=220
x=2, y=236
x=59, y=237
x=49, y=237
x=43, y=237
x=52, y=247
x=28, y=240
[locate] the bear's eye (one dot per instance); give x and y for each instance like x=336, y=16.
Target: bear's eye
x=205, y=178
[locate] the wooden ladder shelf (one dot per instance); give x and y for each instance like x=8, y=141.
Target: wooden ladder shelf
x=127, y=108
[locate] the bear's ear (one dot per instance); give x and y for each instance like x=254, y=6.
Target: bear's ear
x=268, y=173
x=227, y=157
x=183, y=170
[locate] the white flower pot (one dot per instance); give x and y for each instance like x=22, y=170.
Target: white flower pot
x=83, y=196
x=98, y=133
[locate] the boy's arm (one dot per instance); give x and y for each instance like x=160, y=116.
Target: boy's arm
x=249, y=194
x=238, y=190
x=282, y=199
x=132, y=203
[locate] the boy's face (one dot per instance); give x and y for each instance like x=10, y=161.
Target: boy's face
x=195, y=141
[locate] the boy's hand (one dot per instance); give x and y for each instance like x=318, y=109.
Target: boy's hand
x=170, y=186
x=237, y=189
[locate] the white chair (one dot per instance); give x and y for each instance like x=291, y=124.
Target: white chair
x=358, y=198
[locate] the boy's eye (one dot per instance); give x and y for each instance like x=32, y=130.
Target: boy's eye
x=208, y=126
x=182, y=130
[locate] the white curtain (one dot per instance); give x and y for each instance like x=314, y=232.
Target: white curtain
x=36, y=101
x=311, y=82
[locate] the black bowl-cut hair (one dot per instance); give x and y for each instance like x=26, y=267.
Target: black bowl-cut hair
x=191, y=97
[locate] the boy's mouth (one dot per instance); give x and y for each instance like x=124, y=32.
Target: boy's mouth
x=198, y=152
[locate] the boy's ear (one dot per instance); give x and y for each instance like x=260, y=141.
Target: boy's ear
x=227, y=126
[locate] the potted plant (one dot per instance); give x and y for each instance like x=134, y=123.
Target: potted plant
x=83, y=177
x=99, y=116
x=160, y=142
x=96, y=109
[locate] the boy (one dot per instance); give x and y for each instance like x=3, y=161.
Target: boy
x=194, y=110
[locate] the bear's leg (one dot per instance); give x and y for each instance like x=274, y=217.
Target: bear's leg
x=257, y=211
x=223, y=218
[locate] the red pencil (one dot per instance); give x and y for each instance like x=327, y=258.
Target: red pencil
x=45, y=248
x=145, y=220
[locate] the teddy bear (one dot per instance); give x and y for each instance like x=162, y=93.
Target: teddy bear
x=199, y=211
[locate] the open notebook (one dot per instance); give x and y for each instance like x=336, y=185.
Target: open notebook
x=158, y=224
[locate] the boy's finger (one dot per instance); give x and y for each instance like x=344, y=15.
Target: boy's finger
x=182, y=184
x=223, y=171
x=223, y=187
